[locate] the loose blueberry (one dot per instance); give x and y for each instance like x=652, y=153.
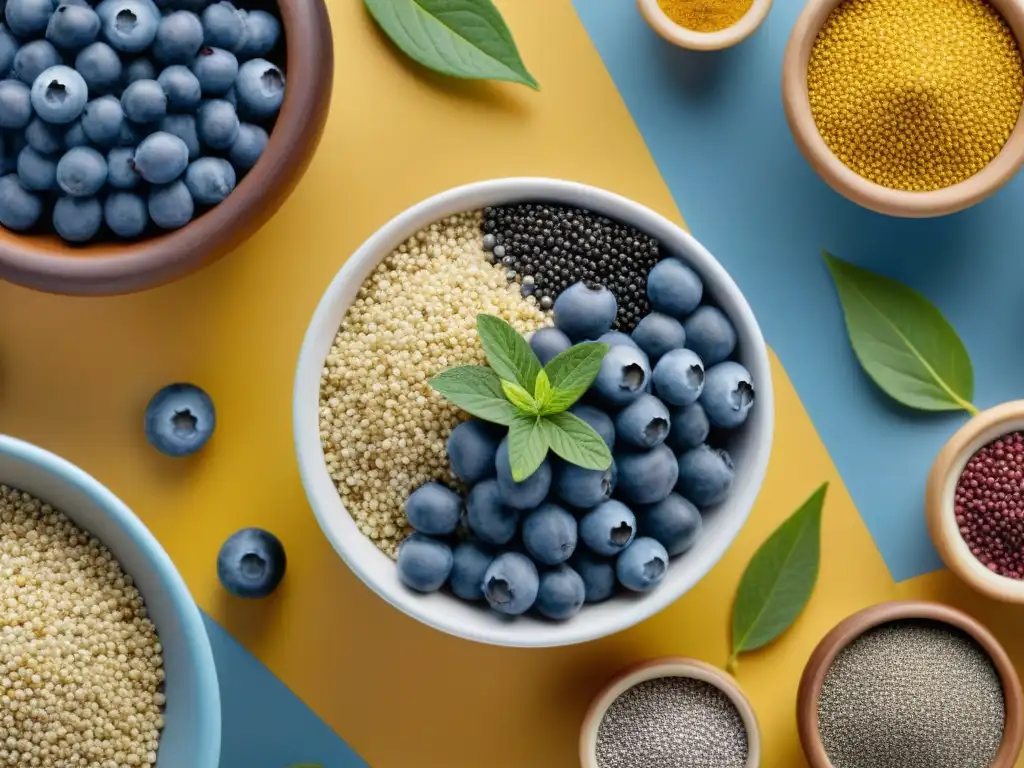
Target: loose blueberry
x=59, y=95
x=9, y=45
x=547, y=343
x=72, y=27
x=646, y=477
x=617, y=339
x=521, y=495
x=260, y=35
x=642, y=565
x=179, y=419
x=728, y=394
x=710, y=334
x=126, y=214
x=434, y=509
x=217, y=124
x=689, y=427
x=674, y=288
x=34, y=58
x=161, y=158
x=469, y=564
x=81, y=172
x=37, y=172
x=657, y=334
x=673, y=521
x=139, y=69
x=705, y=475
x=75, y=136
x=28, y=18
x=424, y=564
x=216, y=70
x=100, y=67
x=178, y=38
x=101, y=121
x=223, y=26
x=131, y=26
x=623, y=376
x=251, y=563
x=511, y=583
x=492, y=521
x=608, y=528
x=644, y=423
x=598, y=420
x=472, y=447
x=598, y=575
x=584, y=488
x=210, y=180
x=44, y=138
x=184, y=127
x=144, y=101
x=15, y=104
x=583, y=310
x=561, y=593
x=247, y=147
x=182, y=88
x=171, y=205
x=679, y=377
x=19, y=208
x=77, y=219
x=121, y=173
x=549, y=534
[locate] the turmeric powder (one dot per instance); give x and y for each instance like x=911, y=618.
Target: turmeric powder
x=705, y=15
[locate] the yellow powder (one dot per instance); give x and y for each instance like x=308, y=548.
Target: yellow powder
x=915, y=94
x=705, y=15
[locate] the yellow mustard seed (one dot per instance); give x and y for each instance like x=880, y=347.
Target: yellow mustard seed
x=915, y=95
x=705, y=15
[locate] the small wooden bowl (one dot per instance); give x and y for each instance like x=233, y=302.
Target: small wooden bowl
x=938, y=501
x=704, y=41
x=856, y=625
x=893, y=202
x=668, y=666
x=47, y=263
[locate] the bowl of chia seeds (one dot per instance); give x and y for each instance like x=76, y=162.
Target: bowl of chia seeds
x=417, y=498
x=910, y=685
x=670, y=711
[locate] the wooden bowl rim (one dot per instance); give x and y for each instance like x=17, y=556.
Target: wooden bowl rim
x=854, y=626
x=667, y=666
x=44, y=262
x=893, y=202
x=979, y=431
x=704, y=41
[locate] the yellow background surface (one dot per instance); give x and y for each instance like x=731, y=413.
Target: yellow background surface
x=77, y=373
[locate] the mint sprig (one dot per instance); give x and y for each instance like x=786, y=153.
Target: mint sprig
x=531, y=400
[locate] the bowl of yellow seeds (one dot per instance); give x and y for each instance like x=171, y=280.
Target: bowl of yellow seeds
x=908, y=107
x=704, y=25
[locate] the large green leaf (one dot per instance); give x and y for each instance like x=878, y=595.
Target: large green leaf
x=574, y=440
x=779, y=579
x=571, y=373
x=508, y=353
x=476, y=389
x=527, y=446
x=460, y=38
x=902, y=341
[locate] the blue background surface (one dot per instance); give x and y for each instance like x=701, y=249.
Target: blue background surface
x=715, y=126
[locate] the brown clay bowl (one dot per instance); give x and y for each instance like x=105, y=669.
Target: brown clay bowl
x=47, y=263
x=853, y=627
x=847, y=182
x=939, y=493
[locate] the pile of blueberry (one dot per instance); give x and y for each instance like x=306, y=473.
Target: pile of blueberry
x=568, y=535
x=133, y=114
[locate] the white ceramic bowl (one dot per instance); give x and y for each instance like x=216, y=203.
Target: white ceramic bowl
x=750, y=447
x=191, y=737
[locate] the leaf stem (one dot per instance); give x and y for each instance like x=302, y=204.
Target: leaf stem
x=969, y=407
x=733, y=663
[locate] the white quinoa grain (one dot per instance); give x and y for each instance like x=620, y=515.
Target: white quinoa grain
x=382, y=428
x=81, y=670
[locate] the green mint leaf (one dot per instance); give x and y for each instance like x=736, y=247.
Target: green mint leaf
x=542, y=390
x=779, y=579
x=527, y=446
x=571, y=438
x=519, y=397
x=477, y=390
x=902, y=341
x=508, y=352
x=571, y=373
x=459, y=38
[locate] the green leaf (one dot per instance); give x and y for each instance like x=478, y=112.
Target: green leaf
x=571, y=373
x=571, y=438
x=527, y=446
x=779, y=579
x=519, y=397
x=477, y=390
x=542, y=390
x=460, y=38
x=507, y=351
x=902, y=341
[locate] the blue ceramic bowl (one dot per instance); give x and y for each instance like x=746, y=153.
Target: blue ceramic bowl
x=191, y=737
